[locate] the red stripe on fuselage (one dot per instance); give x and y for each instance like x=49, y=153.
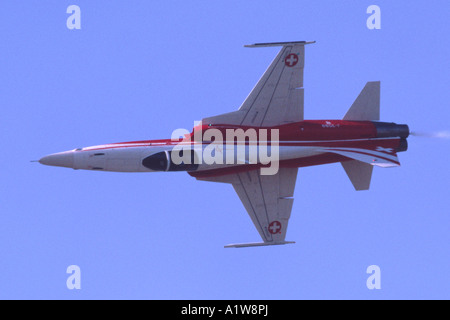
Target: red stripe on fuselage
x=354, y=143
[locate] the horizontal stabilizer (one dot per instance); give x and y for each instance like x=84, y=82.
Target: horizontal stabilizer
x=257, y=244
x=367, y=105
x=360, y=173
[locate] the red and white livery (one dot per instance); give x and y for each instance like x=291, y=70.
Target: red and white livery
x=274, y=107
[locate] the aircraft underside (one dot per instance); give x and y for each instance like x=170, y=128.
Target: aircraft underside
x=259, y=147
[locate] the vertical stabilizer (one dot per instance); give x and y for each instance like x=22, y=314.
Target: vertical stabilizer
x=360, y=173
x=367, y=105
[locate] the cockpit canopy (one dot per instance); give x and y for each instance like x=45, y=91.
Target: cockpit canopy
x=162, y=161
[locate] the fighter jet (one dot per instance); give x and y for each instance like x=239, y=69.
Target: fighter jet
x=259, y=147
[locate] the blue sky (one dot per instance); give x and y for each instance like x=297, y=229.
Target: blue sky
x=138, y=70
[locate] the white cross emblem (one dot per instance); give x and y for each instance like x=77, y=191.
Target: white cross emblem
x=274, y=227
x=388, y=150
x=291, y=60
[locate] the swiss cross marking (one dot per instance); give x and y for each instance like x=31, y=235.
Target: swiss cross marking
x=291, y=60
x=275, y=227
x=388, y=150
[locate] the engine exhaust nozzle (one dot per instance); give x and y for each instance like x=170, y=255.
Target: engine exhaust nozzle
x=390, y=129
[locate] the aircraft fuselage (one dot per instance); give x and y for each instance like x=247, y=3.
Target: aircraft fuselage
x=223, y=149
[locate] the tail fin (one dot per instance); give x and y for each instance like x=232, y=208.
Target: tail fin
x=367, y=105
x=360, y=173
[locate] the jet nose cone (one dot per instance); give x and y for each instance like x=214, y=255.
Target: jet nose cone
x=62, y=159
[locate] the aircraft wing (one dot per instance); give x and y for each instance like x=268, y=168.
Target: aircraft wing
x=268, y=200
x=278, y=96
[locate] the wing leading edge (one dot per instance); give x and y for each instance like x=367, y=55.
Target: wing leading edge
x=268, y=200
x=278, y=96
